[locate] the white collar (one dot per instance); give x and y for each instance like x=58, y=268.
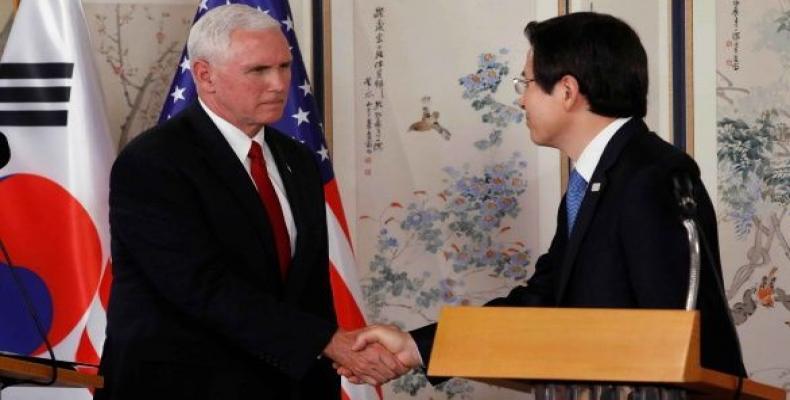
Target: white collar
x=238, y=140
x=589, y=158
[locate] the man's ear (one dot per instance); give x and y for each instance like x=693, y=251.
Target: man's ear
x=203, y=75
x=568, y=88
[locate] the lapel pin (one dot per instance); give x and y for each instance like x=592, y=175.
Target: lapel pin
x=596, y=186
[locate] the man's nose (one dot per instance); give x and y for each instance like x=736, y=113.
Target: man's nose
x=280, y=79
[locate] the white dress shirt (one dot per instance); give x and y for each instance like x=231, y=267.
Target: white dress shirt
x=241, y=143
x=591, y=154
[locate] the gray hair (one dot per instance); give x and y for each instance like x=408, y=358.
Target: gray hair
x=209, y=38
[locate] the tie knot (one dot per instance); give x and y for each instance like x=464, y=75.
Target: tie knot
x=576, y=183
x=256, y=152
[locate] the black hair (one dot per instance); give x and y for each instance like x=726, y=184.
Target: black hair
x=602, y=52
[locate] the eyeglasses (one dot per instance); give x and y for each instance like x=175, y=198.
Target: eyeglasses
x=520, y=84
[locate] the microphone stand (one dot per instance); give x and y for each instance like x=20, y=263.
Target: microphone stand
x=694, y=263
x=688, y=210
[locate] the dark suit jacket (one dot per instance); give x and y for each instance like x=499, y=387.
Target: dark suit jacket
x=628, y=248
x=198, y=309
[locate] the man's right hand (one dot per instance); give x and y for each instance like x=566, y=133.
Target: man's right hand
x=372, y=364
x=399, y=343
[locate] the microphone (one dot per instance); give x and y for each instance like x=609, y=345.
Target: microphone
x=5, y=151
x=682, y=189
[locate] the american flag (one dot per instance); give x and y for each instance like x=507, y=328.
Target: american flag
x=301, y=121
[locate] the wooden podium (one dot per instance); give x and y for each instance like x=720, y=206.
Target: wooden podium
x=13, y=369
x=512, y=346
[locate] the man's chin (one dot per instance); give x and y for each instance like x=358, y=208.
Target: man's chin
x=536, y=137
x=270, y=116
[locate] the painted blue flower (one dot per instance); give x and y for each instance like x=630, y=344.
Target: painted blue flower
x=472, y=85
x=477, y=188
x=463, y=226
x=461, y=185
x=463, y=260
x=490, y=78
x=486, y=79
x=431, y=239
x=378, y=263
x=487, y=256
x=422, y=221
x=448, y=290
x=486, y=59
x=460, y=204
x=494, y=139
x=519, y=258
x=427, y=298
x=391, y=242
x=498, y=185
x=506, y=204
x=413, y=220
x=490, y=207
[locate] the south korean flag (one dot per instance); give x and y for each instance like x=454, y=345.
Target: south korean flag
x=54, y=190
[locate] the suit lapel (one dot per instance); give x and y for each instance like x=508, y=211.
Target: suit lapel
x=223, y=161
x=591, y=199
x=287, y=165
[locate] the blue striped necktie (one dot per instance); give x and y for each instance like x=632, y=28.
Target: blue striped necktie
x=573, y=197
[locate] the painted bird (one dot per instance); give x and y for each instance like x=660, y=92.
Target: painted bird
x=430, y=120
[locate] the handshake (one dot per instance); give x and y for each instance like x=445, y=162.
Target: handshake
x=373, y=355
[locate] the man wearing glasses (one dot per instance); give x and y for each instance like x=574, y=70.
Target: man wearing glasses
x=619, y=241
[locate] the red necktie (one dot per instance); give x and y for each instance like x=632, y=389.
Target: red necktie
x=272, y=205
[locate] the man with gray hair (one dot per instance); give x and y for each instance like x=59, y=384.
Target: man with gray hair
x=219, y=242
